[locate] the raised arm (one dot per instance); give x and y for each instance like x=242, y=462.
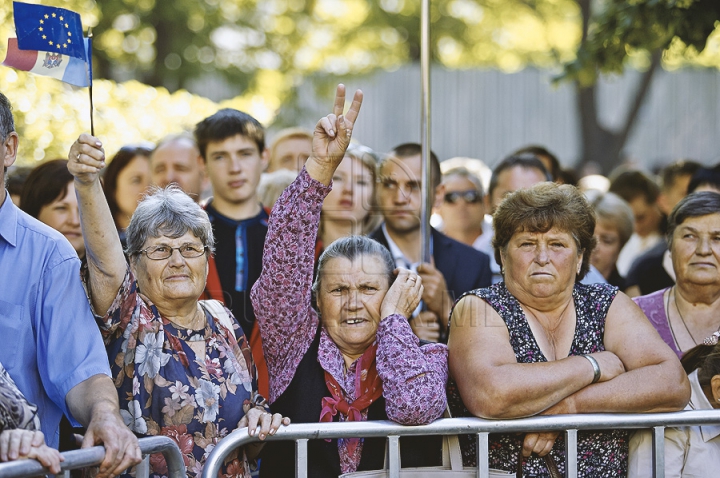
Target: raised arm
x=491, y=381
x=282, y=295
x=106, y=261
x=654, y=382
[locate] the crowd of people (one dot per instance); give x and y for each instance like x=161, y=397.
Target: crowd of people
x=215, y=282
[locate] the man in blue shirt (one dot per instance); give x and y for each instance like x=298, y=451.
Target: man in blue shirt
x=51, y=346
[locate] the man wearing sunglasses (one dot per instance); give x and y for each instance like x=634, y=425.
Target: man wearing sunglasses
x=462, y=208
x=456, y=268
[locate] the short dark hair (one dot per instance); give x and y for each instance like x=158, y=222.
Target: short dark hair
x=408, y=150
x=705, y=177
x=630, y=185
x=696, y=204
x=522, y=160
x=119, y=162
x=672, y=172
x=537, y=150
x=7, y=123
x=16, y=179
x=540, y=208
x=46, y=183
x=227, y=123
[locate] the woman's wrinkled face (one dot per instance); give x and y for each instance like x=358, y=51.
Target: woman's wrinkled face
x=132, y=182
x=606, y=253
x=63, y=215
x=541, y=264
x=695, y=250
x=349, y=300
x=176, y=278
x=352, y=190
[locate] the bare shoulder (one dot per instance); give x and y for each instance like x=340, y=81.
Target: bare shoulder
x=472, y=312
x=630, y=335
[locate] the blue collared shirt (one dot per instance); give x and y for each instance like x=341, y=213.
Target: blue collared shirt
x=49, y=341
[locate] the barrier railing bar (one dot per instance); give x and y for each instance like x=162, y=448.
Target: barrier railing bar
x=483, y=454
x=301, y=458
x=143, y=469
x=455, y=426
x=394, y=451
x=571, y=468
x=658, y=453
x=94, y=456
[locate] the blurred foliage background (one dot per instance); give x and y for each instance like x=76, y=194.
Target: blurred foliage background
x=149, y=53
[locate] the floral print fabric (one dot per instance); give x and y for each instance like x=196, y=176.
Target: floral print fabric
x=413, y=376
x=600, y=453
x=15, y=410
x=190, y=385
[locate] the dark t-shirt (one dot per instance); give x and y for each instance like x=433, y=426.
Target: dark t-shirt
x=648, y=273
x=237, y=280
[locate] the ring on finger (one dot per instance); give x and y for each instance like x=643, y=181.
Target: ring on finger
x=77, y=157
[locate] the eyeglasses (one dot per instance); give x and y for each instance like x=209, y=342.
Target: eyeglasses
x=470, y=197
x=188, y=251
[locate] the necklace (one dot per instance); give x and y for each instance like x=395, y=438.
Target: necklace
x=682, y=319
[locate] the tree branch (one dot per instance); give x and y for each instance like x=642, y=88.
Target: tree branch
x=639, y=98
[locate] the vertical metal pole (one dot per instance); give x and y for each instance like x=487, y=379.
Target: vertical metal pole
x=571, y=469
x=658, y=454
x=301, y=458
x=394, y=452
x=143, y=468
x=427, y=189
x=483, y=454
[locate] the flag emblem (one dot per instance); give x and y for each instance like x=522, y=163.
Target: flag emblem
x=52, y=60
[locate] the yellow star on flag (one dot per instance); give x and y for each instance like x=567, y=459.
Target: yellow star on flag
x=42, y=21
x=46, y=16
x=54, y=15
x=61, y=18
x=44, y=37
x=50, y=43
x=66, y=25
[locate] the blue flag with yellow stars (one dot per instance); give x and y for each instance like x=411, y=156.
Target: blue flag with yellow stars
x=49, y=29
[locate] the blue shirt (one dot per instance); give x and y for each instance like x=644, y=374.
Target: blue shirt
x=50, y=341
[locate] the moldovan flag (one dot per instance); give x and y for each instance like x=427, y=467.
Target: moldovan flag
x=49, y=42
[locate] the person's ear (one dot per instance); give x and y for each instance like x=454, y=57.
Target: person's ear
x=10, y=149
x=715, y=386
x=580, y=261
x=439, y=195
x=264, y=159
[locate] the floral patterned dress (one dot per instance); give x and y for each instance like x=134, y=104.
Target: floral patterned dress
x=165, y=388
x=600, y=453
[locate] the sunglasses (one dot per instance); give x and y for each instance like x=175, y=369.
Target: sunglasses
x=470, y=197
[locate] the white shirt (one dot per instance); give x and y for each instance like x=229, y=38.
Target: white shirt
x=484, y=244
x=690, y=452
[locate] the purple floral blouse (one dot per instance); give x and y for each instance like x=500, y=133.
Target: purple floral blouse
x=413, y=376
x=165, y=388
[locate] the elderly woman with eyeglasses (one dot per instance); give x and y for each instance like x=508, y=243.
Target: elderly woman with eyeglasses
x=182, y=367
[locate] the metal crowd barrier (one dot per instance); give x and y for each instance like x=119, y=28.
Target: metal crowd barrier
x=94, y=456
x=301, y=433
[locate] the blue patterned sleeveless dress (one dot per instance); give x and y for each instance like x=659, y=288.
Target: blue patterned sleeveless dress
x=600, y=453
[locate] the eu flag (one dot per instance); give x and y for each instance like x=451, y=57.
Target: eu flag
x=49, y=29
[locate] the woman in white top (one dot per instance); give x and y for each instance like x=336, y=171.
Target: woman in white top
x=692, y=451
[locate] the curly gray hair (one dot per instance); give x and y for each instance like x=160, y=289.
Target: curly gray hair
x=167, y=212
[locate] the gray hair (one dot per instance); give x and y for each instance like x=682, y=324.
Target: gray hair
x=167, y=212
x=612, y=208
x=463, y=172
x=696, y=204
x=7, y=125
x=352, y=247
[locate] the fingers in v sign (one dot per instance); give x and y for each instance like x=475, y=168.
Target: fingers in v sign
x=333, y=132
